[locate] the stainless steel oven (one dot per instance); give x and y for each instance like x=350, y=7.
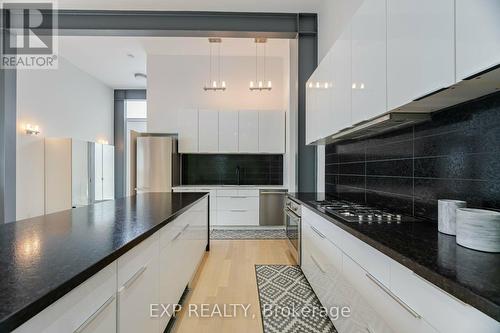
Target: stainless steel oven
x=293, y=215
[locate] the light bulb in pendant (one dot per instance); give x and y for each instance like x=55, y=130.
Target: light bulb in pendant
x=251, y=84
x=214, y=84
x=269, y=84
x=223, y=84
x=260, y=84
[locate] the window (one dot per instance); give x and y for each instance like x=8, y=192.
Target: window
x=136, y=109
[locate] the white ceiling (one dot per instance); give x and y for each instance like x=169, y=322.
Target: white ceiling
x=106, y=58
x=196, y=5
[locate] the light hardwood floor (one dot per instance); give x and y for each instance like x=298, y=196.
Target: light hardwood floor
x=227, y=276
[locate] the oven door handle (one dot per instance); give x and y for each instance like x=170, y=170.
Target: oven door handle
x=289, y=212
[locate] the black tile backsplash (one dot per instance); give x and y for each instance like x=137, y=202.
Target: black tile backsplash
x=220, y=169
x=456, y=155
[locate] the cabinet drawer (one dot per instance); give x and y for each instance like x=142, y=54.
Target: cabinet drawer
x=90, y=305
x=440, y=309
x=238, y=193
x=132, y=261
x=244, y=203
x=377, y=307
x=369, y=258
x=248, y=193
x=227, y=193
x=238, y=217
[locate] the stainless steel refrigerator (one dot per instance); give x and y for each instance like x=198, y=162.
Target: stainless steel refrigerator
x=157, y=165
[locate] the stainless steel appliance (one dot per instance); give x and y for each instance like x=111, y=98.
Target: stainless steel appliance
x=271, y=207
x=157, y=164
x=356, y=213
x=293, y=216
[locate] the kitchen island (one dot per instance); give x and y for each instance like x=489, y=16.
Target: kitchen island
x=46, y=259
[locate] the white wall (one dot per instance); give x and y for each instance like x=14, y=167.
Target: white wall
x=332, y=18
x=176, y=83
x=66, y=102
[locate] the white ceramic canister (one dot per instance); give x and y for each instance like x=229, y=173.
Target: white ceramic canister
x=447, y=215
x=478, y=229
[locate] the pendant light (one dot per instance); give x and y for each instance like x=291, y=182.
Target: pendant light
x=215, y=81
x=261, y=83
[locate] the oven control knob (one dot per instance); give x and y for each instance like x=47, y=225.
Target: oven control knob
x=370, y=217
x=398, y=217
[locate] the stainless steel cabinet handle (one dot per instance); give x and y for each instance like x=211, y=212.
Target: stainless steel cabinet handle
x=318, y=264
x=266, y=193
x=238, y=197
x=185, y=227
x=317, y=231
x=95, y=314
x=177, y=236
x=134, y=278
x=393, y=296
x=238, y=210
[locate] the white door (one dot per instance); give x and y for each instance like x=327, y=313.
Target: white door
x=477, y=36
x=79, y=173
x=272, y=131
x=420, y=49
x=369, y=70
x=228, y=131
x=98, y=169
x=108, y=172
x=208, y=131
x=248, y=133
x=187, y=121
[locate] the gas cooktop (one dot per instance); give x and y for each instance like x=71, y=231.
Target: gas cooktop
x=353, y=212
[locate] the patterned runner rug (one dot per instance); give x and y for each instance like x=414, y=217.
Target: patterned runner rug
x=228, y=234
x=284, y=296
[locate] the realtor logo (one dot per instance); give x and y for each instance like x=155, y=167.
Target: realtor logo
x=28, y=35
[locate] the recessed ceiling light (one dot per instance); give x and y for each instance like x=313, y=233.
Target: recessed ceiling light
x=140, y=76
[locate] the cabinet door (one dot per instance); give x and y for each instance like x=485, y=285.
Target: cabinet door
x=138, y=287
x=98, y=169
x=248, y=131
x=187, y=121
x=108, y=172
x=312, y=116
x=228, y=131
x=420, y=49
x=477, y=36
x=57, y=175
x=79, y=173
x=272, y=132
x=208, y=131
x=369, y=71
x=341, y=80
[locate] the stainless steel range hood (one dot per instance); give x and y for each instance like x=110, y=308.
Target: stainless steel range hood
x=385, y=123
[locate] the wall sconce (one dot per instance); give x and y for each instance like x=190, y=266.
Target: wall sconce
x=103, y=142
x=32, y=129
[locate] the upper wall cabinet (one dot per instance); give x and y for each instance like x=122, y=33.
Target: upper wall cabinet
x=420, y=49
x=477, y=36
x=341, y=82
x=248, y=140
x=369, y=70
x=188, y=130
x=312, y=111
x=272, y=132
x=228, y=131
x=208, y=131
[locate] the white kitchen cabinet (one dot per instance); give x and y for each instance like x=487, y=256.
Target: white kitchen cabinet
x=98, y=169
x=477, y=36
x=272, y=132
x=369, y=70
x=90, y=307
x=79, y=173
x=248, y=131
x=108, y=172
x=312, y=116
x=58, y=166
x=341, y=83
x=138, y=287
x=187, y=121
x=208, y=131
x=228, y=131
x=104, y=172
x=212, y=203
x=420, y=49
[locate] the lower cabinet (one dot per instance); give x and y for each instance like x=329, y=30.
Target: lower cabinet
x=383, y=296
x=138, y=287
x=119, y=297
x=91, y=307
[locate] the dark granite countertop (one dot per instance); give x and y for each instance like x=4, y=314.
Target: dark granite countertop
x=43, y=258
x=471, y=276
